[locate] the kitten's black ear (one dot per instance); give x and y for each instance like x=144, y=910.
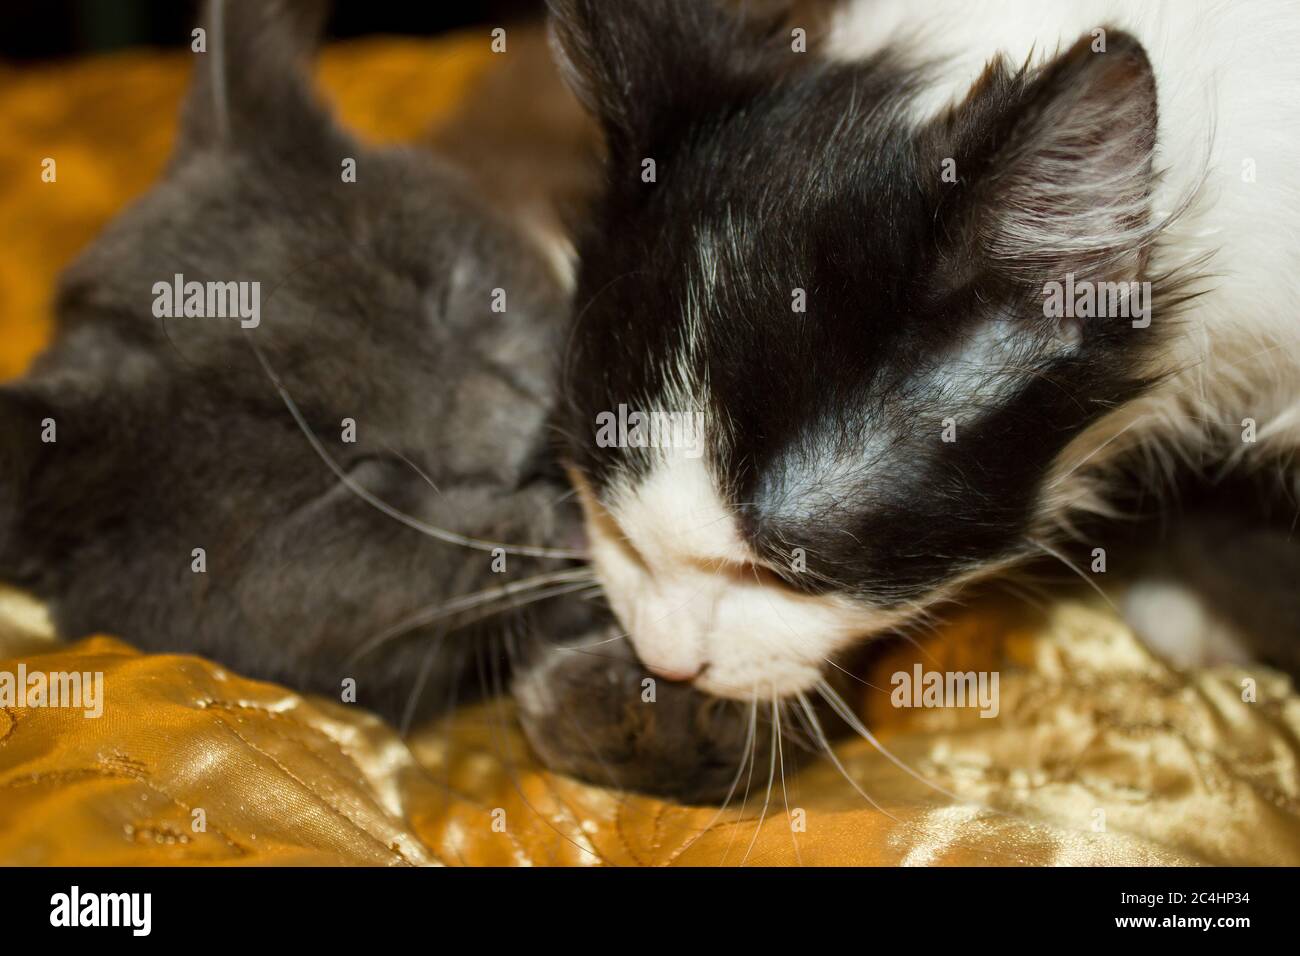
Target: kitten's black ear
x=636, y=64
x=251, y=87
x=1057, y=163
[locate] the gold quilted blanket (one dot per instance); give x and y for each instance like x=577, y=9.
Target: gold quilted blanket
x=1099, y=753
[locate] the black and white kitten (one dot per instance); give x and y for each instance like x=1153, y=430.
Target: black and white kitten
x=895, y=310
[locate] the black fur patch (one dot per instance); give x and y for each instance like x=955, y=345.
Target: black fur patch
x=779, y=172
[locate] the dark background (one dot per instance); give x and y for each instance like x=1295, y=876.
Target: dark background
x=43, y=29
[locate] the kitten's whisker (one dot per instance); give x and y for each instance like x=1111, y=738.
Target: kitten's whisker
x=1060, y=479
x=424, y=476
x=834, y=758
x=512, y=603
x=593, y=592
x=785, y=796
x=771, y=778
x=854, y=676
x=846, y=714
x=922, y=616
x=753, y=759
x=1069, y=564
x=745, y=758
x=1023, y=591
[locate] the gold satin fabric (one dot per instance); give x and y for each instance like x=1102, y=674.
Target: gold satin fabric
x=1100, y=754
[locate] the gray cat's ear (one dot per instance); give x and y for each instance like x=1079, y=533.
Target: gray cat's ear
x=641, y=65
x=1057, y=162
x=252, y=88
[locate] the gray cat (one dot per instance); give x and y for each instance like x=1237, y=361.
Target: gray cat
x=349, y=476
x=373, y=305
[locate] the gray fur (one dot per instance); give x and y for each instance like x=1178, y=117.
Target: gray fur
x=376, y=306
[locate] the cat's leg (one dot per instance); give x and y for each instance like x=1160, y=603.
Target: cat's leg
x=1176, y=622
x=591, y=710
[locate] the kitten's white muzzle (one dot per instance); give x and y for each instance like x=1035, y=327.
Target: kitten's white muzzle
x=696, y=603
x=732, y=637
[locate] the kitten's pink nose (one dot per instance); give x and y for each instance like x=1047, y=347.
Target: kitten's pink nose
x=681, y=673
x=672, y=650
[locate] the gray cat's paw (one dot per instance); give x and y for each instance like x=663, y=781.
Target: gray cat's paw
x=590, y=710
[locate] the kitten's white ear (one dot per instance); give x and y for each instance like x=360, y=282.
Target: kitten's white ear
x=1059, y=163
x=637, y=64
x=251, y=87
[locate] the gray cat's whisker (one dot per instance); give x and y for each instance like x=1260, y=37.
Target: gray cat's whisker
x=426, y=664
x=584, y=647
x=470, y=602
x=440, y=534
x=424, y=476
